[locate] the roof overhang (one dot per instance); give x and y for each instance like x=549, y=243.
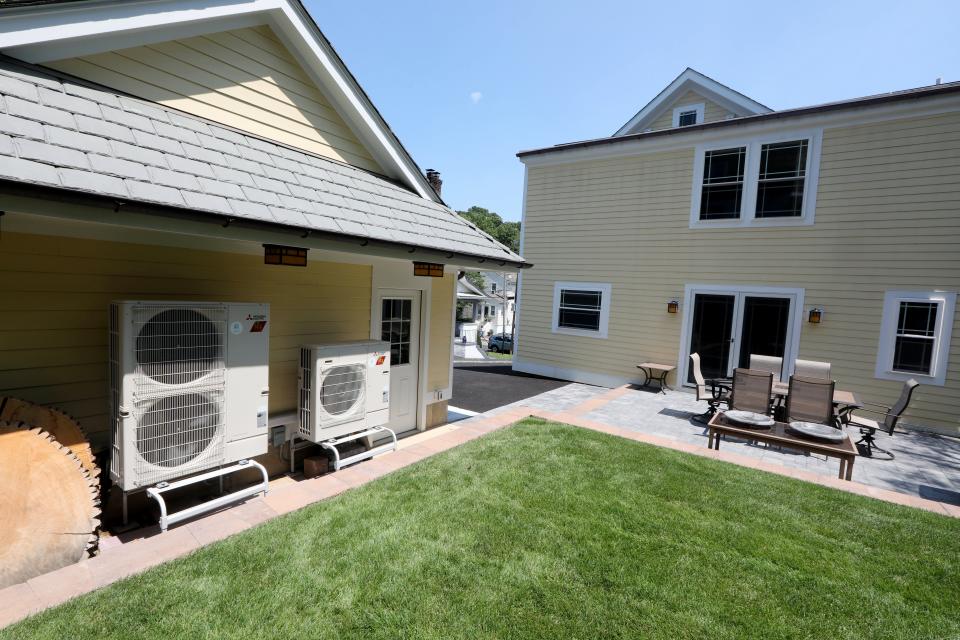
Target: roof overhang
x=60, y=204
x=691, y=79
x=56, y=31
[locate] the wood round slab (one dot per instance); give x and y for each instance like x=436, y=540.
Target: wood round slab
x=48, y=505
x=62, y=427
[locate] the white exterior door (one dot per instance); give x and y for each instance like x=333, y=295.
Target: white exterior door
x=400, y=326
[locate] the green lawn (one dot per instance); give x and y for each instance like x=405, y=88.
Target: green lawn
x=544, y=530
x=496, y=355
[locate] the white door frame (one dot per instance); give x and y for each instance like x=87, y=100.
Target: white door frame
x=398, y=275
x=794, y=320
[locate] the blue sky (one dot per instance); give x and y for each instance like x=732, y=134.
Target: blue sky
x=468, y=84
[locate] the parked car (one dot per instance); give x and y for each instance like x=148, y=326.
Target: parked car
x=501, y=343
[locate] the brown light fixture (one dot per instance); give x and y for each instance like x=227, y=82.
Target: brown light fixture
x=286, y=256
x=816, y=315
x=428, y=269
x=673, y=306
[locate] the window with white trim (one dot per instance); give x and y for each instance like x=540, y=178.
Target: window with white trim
x=915, y=335
x=581, y=308
x=760, y=182
x=688, y=114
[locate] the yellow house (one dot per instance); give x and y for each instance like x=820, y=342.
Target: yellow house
x=149, y=151
x=827, y=233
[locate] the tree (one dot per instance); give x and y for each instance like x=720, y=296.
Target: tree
x=476, y=279
x=507, y=233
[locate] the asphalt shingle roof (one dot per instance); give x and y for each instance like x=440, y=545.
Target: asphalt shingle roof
x=63, y=133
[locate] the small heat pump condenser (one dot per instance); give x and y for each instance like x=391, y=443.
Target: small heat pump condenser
x=188, y=387
x=344, y=388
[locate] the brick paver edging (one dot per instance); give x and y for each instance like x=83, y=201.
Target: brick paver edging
x=20, y=600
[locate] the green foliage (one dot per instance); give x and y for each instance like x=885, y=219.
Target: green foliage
x=543, y=530
x=476, y=279
x=507, y=233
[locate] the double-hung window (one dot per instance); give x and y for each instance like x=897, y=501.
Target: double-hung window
x=915, y=335
x=760, y=182
x=581, y=308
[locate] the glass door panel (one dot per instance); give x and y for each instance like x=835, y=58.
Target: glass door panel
x=764, y=328
x=711, y=333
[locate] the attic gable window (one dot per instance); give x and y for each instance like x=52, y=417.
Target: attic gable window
x=768, y=181
x=688, y=114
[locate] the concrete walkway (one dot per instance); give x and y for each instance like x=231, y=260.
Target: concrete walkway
x=580, y=405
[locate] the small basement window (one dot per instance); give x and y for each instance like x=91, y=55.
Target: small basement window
x=915, y=336
x=581, y=308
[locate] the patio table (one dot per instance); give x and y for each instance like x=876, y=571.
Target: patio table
x=655, y=371
x=777, y=434
x=845, y=401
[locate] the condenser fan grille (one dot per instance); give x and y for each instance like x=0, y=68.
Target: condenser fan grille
x=176, y=431
x=342, y=388
x=179, y=345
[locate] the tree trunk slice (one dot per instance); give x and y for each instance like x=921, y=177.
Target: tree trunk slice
x=48, y=505
x=62, y=427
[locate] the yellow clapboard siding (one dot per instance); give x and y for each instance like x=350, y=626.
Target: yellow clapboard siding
x=711, y=110
x=886, y=219
x=442, y=299
x=53, y=341
x=239, y=78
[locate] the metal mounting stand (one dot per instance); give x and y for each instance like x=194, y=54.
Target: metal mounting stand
x=339, y=463
x=167, y=519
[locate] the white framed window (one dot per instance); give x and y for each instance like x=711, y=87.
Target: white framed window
x=763, y=181
x=688, y=114
x=581, y=308
x=915, y=335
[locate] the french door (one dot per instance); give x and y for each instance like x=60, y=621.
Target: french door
x=726, y=326
x=399, y=320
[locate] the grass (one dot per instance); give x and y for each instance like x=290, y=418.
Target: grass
x=544, y=530
x=496, y=355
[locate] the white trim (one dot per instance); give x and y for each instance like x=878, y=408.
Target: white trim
x=574, y=375
x=43, y=33
x=748, y=202
x=602, y=287
x=794, y=324
x=746, y=127
x=891, y=312
x=518, y=298
x=691, y=80
x=699, y=108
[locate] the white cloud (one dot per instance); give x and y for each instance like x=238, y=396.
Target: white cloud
x=475, y=97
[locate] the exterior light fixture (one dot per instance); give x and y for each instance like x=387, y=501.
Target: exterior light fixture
x=429, y=269
x=673, y=306
x=816, y=315
x=286, y=256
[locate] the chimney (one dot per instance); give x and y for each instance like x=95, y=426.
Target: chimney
x=433, y=177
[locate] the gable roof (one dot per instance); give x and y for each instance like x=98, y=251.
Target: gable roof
x=693, y=80
x=61, y=29
x=69, y=135
x=467, y=291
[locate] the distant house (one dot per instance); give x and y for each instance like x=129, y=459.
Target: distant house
x=711, y=223
x=148, y=150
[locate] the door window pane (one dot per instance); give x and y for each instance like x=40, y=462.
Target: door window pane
x=783, y=170
x=915, y=337
x=710, y=334
x=764, y=333
x=722, y=192
x=395, y=326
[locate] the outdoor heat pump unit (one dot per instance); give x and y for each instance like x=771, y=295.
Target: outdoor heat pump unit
x=344, y=391
x=188, y=392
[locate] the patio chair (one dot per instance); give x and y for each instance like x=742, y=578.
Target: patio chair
x=719, y=390
x=811, y=400
x=812, y=369
x=773, y=364
x=752, y=391
x=889, y=416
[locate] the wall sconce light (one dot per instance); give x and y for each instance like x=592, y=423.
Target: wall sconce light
x=816, y=315
x=673, y=306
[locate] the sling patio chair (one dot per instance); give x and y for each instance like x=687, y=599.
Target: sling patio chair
x=811, y=400
x=888, y=419
x=812, y=369
x=718, y=394
x=752, y=391
x=773, y=364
